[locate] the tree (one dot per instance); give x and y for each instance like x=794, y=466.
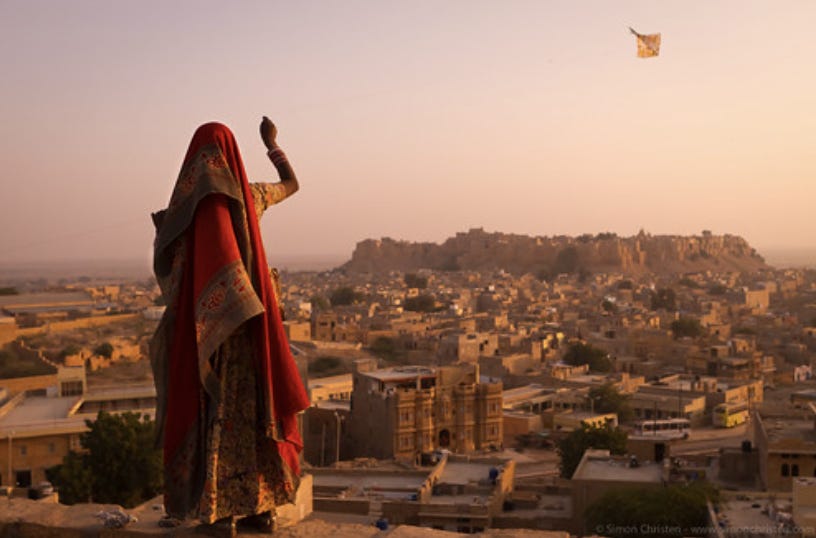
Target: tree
x=580, y=353
x=322, y=366
x=572, y=447
x=421, y=303
x=70, y=349
x=119, y=465
x=717, y=289
x=609, y=306
x=544, y=274
x=686, y=326
x=664, y=298
x=105, y=349
x=319, y=302
x=608, y=399
x=9, y=291
x=412, y=280
x=625, y=285
x=744, y=330
x=387, y=349
x=73, y=479
x=689, y=283
x=619, y=511
x=344, y=296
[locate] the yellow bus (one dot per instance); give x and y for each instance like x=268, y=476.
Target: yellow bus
x=728, y=415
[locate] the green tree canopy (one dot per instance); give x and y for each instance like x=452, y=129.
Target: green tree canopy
x=581, y=353
x=572, y=447
x=717, y=289
x=608, y=399
x=543, y=274
x=388, y=349
x=412, y=280
x=120, y=464
x=319, y=302
x=664, y=298
x=323, y=366
x=70, y=349
x=421, y=303
x=686, y=326
x=344, y=296
x=625, y=512
x=689, y=283
x=744, y=330
x=105, y=349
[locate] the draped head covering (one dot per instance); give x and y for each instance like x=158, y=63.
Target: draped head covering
x=210, y=263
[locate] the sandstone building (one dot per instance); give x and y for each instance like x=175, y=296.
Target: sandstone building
x=403, y=412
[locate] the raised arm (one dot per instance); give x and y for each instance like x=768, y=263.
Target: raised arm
x=287, y=176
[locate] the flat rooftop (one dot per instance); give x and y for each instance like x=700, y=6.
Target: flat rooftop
x=41, y=415
x=120, y=393
x=478, y=500
x=34, y=300
x=361, y=481
x=524, y=393
x=342, y=379
x=785, y=428
x=465, y=472
x=38, y=409
x=401, y=372
x=333, y=405
x=745, y=515
x=617, y=469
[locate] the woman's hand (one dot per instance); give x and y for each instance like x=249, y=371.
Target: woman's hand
x=268, y=133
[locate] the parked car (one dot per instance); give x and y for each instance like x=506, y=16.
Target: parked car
x=41, y=490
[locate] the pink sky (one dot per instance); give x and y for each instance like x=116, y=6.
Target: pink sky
x=412, y=120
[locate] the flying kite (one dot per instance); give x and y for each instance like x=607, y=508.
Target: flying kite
x=648, y=44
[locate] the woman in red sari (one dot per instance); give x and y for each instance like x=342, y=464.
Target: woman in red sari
x=228, y=388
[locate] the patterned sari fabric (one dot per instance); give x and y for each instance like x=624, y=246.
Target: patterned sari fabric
x=228, y=389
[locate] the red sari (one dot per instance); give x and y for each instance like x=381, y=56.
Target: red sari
x=228, y=388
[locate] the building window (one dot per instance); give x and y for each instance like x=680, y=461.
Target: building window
x=71, y=388
x=785, y=471
x=794, y=470
x=23, y=450
x=406, y=442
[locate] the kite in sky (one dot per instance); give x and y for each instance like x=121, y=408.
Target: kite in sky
x=648, y=44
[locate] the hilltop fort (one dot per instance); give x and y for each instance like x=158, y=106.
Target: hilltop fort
x=477, y=249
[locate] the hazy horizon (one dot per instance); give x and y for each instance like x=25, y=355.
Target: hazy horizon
x=780, y=258
x=411, y=120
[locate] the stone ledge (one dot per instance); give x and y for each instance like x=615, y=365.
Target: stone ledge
x=25, y=518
